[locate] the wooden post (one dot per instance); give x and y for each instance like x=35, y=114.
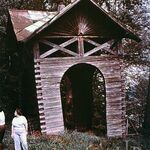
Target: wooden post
x=36, y=50
x=80, y=46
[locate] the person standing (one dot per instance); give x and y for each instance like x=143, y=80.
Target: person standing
x=2, y=127
x=19, y=130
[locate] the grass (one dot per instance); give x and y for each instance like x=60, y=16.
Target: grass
x=73, y=140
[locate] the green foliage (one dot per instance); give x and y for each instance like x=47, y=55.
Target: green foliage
x=136, y=95
x=80, y=141
x=99, y=104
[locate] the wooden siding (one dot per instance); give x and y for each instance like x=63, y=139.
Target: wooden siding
x=49, y=72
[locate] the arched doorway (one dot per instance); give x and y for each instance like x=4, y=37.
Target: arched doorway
x=83, y=99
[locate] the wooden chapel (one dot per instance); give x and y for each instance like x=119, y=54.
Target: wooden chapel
x=73, y=42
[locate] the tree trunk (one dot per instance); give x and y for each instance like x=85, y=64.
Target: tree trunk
x=147, y=113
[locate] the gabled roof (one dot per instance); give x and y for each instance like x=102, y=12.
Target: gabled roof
x=27, y=23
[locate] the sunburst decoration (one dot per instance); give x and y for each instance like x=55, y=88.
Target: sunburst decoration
x=74, y=25
x=83, y=26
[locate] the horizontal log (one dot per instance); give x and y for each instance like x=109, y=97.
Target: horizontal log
x=52, y=92
x=114, y=109
x=54, y=120
x=113, y=113
x=50, y=99
x=101, y=65
x=70, y=63
x=113, y=81
x=49, y=87
x=40, y=104
x=54, y=124
x=112, y=90
x=43, y=128
x=54, y=116
x=47, y=69
x=50, y=81
x=49, y=95
x=41, y=111
x=115, y=133
x=40, y=107
x=52, y=105
x=89, y=58
x=39, y=91
x=38, y=81
x=115, y=100
x=115, y=94
x=36, y=71
x=42, y=120
x=118, y=116
x=68, y=36
x=56, y=130
x=59, y=74
x=109, y=77
x=51, y=75
x=39, y=97
x=115, y=123
x=113, y=85
x=51, y=110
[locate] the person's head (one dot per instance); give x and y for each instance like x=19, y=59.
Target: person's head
x=18, y=112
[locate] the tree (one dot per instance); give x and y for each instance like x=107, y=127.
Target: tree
x=147, y=113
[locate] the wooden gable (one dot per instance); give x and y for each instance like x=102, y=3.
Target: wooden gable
x=86, y=15
x=86, y=18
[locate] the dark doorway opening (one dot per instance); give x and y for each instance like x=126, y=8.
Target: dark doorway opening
x=78, y=100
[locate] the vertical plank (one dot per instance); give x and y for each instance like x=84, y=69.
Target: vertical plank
x=36, y=50
x=80, y=46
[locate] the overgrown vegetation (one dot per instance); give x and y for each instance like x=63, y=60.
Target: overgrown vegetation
x=80, y=141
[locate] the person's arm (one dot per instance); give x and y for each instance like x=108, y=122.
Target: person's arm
x=12, y=131
x=4, y=117
x=26, y=124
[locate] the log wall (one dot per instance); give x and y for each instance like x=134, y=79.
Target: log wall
x=49, y=72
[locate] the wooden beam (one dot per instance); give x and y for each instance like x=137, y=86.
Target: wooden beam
x=49, y=52
x=106, y=47
x=58, y=47
x=80, y=46
x=55, y=36
x=36, y=50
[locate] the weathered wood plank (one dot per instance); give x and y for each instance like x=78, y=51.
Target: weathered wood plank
x=80, y=46
x=55, y=130
x=36, y=50
x=71, y=61
x=59, y=47
x=54, y=123
x=68, y=36
x=49, y=52
x=74, y=59
x=103, y=47
x=106, y=48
